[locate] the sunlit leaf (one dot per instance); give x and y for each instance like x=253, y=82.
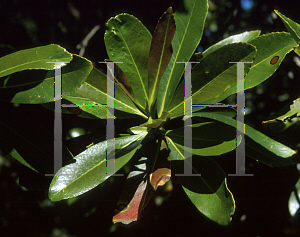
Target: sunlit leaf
x=268, y=46
x=291, y=26
x=189, y=18
x=208, y=192
x=214, y=75
x=89, y=170
x=34, y=58
x=128, y=41
x=261, y=147
x=243, y=37
x=37, y=86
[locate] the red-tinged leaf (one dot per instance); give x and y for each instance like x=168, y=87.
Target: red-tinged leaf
x=124, y=83
x=160, y=52
x=159, y=177
x=133, y=209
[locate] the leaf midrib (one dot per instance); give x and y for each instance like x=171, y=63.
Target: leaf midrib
x=138, y=72
x=118, y=101
x=170, y=140
x=168, y=82
x=97, y=165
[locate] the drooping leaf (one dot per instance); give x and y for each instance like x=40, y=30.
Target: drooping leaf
x=286, y=112
x=160, y=52
x=34, y=58
x=136, y=192
x=95, y=89
x=294, y=200
x=90, y=167
x=258, y=146
x=268, y=46
x=291, y=26
x=132, y=199
x=159, y=177
x=131, y=212
x=214, y=75
x=128, y=41
x=189, y=20
x=243, y=37
x=208, y=192
x=37, y=86
x=208, y=139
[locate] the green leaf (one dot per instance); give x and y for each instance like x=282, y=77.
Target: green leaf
x=209, y=139
x=189, y=20
x=35, y=58
x=294, y=200
x=243, y=37
x=37, y=86
x=208, y=192
x=90, y=168
x=128, y=41
x=291, y=26
x=259, y=147
x=160, y=53
x=95, y=89
x=214, y=75
x=138, y=130
x=28, y=142
x=268, y=47
x=19, y=158
x=286, y=112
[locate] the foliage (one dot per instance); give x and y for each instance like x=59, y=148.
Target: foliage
x=149, y=84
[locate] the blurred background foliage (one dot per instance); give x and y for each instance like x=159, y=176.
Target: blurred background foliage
x=262, y=200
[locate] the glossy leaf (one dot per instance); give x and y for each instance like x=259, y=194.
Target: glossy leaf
x=160, y=52
x=208, y=192
x=267, y=46
x=214, y=75
x=189, y=18
x=138, y=130
x=34, y=58
x=286, y=112
x=291, y=26
x=90, y=168
x=243, y=37
x=261, y=147
x=128, y=41
x=95, y=89
x=208, y=139
x=294, y=200
x=37, y=86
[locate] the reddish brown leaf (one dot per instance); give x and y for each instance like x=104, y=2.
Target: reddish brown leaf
x=159, y=177
x=160, y=52
x=124, y=83
x=133, y=209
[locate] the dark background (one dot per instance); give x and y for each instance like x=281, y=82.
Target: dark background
x=262, y=199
